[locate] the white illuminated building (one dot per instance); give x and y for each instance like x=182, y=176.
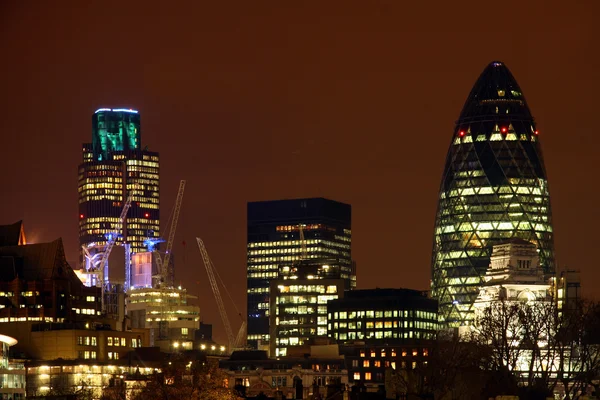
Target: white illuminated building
x=166, y=312
x=514, y=274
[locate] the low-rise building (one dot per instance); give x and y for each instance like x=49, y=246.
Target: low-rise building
x=12, y=372
x=382, y=328
x=166, y=313
x=323, y=371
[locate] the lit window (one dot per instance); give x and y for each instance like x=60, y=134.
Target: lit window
x=366, y=364
x=367, y=376
x=357, y=376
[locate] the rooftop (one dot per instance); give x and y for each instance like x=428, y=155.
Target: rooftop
x=495, y=94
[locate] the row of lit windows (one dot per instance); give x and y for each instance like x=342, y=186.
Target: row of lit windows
x=86, y=311
x=258, y=290
x=300, y=310
x=388, y=334
x=384, y=324
x=286, y=243
x=87, y=340
x=481, y=190
x=23, y=319
x=307, y=288
x=153, y=164
x=148, y=176
x=494, y=137
x=110, y=341
x=304, y=299
x=103, y=167
x=263, y=275
x=88, y=355
x=384, y=314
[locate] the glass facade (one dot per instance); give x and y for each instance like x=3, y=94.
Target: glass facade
x=115, y=167
x=274, y=242
x=381, y=315
x=298, y=311
x=494, y=188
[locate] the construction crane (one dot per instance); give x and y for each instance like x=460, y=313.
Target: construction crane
x=304, y=253
x=99, y=268
x=163, y=265
x=234, y=342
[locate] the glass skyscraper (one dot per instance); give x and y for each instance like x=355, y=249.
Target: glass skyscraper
x=275, y=244
x=115, y=167
x=494, y=188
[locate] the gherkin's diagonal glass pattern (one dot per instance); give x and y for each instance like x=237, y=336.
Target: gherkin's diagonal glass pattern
x=494, y=188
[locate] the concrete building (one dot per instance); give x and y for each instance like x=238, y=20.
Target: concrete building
x=322, y=371
x=514, y=274
x=166, y=313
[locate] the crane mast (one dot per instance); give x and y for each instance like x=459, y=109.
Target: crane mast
x=234, y=342
x=99, y=271
x=163, y=264
x=304, y=253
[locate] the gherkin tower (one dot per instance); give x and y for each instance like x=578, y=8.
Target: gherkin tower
x=494, y=188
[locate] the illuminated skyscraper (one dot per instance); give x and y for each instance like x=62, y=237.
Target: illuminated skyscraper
x=114, y=167
x=494, y=188
x=275, y=231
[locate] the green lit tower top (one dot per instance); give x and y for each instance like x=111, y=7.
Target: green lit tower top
x=115, y=130
x=494, y=188
x=114, y=168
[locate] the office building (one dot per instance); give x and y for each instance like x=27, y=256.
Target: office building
x=298, y=312
x=282, y=232
x=12, y=373
x=382, y=314
x=115, y=167
x=165, y=312
x=378, y=329
x=494, y=187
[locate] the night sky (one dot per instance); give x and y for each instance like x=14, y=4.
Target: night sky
x=353, y=101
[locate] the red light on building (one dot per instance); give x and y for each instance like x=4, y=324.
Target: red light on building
x=80, y=216
x=461, y=133
x=537, y=132
x=147, y=215
x=503, y=130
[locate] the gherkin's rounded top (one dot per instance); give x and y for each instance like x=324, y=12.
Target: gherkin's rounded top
x=496, y=94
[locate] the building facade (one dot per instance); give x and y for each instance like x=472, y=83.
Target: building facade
x=494, y=187
x=378, y=329
x=165, y=312
x=38, y=285
x=12, y=374
x=282, y=232
x=382, y=314
x=115, y=167
x=320, y=373
x=298, y=311
x=514, y=275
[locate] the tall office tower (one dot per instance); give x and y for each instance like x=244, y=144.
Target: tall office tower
x=494, y=187
x=281, y=233
x=114, y=168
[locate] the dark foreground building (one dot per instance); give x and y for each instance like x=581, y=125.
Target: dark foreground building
x=275, y=231
x=494, y=187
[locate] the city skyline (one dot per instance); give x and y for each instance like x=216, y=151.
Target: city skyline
x=258, y=114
